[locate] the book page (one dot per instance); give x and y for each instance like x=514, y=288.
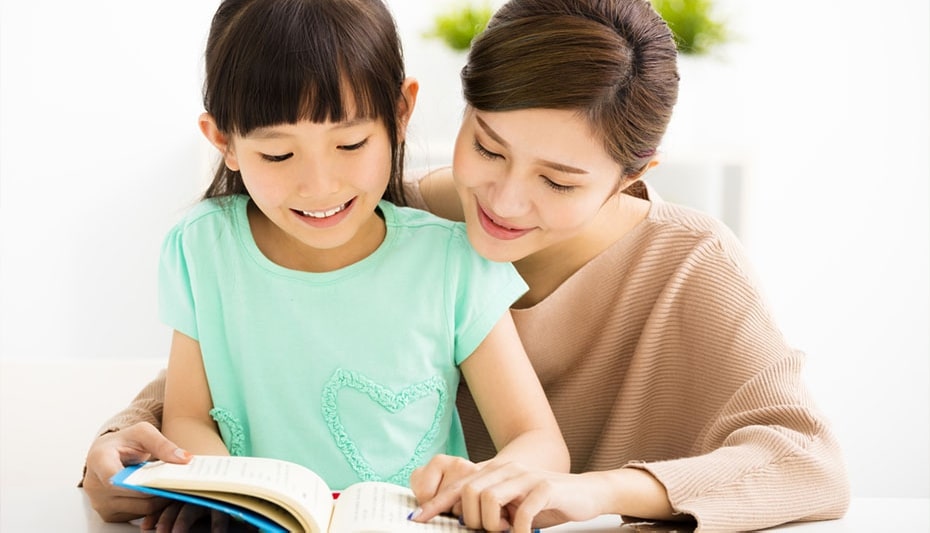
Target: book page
x=267, y=508
x=292, y=486
x=374, y=507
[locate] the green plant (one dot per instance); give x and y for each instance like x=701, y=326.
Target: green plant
x=460, y=24
x=693, y=24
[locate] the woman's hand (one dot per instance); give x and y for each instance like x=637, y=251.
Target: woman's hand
x=109, y=453
x=502, y=496
x=178, y=517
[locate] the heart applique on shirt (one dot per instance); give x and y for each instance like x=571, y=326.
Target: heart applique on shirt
x=392, y=403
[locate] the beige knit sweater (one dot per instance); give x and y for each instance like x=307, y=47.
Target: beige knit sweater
x=660, y=354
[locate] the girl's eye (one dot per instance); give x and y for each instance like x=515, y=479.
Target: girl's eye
x=277, y=158
x=484, y=152
x=558, y=187
x=352, y=147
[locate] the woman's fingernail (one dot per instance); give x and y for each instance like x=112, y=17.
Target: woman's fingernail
x=181, y=454
x=415, y=513
x=462, y=520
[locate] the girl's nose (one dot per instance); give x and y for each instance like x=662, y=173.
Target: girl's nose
x=314, y=178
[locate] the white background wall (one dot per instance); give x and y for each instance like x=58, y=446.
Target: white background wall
x=823, y=103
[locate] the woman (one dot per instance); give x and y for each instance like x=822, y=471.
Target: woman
x=676, y=393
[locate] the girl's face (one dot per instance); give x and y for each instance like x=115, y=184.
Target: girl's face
x=530, y=179
x=319, y=184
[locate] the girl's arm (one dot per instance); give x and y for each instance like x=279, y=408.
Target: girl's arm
x=512, y=403
x=518, y=417
x=186, y=419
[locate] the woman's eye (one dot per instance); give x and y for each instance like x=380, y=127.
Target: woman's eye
x=352, y=147
x=277, y=158
x=484, y=152
x=558, y=187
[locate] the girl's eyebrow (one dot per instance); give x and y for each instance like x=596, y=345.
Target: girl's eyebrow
x=551, y=164
x=273, y=132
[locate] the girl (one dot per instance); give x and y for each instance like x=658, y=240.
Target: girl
x=315, y=320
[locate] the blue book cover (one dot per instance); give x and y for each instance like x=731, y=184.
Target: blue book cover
x=235, y=511
x=255, y=498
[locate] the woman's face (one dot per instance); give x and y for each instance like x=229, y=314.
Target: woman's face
x=529, y=179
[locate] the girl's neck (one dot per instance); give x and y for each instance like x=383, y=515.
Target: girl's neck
x=286, y=251
x=546, y=270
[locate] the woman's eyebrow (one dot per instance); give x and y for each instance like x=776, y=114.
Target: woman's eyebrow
x=551, y=164
x=491, y=133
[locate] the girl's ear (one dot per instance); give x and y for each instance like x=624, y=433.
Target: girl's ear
x=408, y=100
x=219, y=140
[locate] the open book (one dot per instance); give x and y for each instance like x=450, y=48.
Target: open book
x=280, y=496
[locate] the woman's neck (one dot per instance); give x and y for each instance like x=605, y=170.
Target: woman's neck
x=546, y=270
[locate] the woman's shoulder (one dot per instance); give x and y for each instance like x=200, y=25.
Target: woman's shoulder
x=669, y=241
x=434, y=190
x=675, y=225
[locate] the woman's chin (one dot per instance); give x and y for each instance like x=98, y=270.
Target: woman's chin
x=493, y=249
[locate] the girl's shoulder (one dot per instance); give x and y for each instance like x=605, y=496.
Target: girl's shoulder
x=415, y=221
x=223, y=208
x=209, y=218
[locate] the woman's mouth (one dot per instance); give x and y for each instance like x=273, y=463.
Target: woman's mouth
x=498, y=230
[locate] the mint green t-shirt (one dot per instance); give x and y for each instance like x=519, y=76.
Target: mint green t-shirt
x=352, y=373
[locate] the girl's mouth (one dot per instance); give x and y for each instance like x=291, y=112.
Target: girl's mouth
x=325, y=218
x=325, y=213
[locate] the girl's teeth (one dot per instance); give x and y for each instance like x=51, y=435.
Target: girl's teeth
x=323, y=214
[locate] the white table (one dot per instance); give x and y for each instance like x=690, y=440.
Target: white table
x=67, y=509
x=49, y=414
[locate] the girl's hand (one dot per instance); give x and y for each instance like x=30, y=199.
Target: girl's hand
x=439, y=473
x=502, y=496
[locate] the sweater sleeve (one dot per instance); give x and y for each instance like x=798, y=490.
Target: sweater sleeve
x=145, y=407
x=768, y=459
x=412, y=192
x=764, y=454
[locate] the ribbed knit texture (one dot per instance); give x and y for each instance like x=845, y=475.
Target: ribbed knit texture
x=660, y=354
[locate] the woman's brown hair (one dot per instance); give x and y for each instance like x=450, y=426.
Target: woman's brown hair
x=614, y=61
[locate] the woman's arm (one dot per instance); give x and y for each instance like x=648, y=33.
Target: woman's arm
x=188, y=402
x=436, y=193
x=129, y=437
x=518, y=498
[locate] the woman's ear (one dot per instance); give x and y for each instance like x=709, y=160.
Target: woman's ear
x=630, y=179
x=408, y=100
x=219, y=140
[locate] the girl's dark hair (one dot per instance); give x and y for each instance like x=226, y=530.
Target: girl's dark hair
x=272, y=62
x=614, y=61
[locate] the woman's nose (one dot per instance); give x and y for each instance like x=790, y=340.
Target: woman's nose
x=509, y=196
